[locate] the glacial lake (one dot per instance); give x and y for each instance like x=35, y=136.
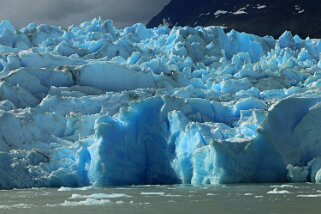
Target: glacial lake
x=222, y=199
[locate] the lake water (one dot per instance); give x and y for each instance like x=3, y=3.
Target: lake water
x=222, y=199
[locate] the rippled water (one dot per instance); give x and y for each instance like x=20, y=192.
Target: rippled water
x=289, y=198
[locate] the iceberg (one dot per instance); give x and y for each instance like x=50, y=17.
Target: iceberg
x=94, y=105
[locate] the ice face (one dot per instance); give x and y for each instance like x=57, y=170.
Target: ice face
x=97, y=105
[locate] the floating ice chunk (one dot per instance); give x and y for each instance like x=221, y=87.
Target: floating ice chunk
x=99, y=196
x=248, y=194
x=277, y=191
x=283, y=186
x=14, y=206
x=173, y=195
x=153, y=193
x=309, y=196
x=87, y=202
x=211, y=194
x=69, y=189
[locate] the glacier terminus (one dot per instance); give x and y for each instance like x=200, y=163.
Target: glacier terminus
x=94, y=105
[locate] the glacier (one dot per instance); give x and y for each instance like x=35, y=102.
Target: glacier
x=94, y=105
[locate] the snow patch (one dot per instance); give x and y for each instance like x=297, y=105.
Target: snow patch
x=220, y=12
x=260, y=7
x=240, y=11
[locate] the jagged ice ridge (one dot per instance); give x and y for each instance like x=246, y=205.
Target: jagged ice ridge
x=97, y=105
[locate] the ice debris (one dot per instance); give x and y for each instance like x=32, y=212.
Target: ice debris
x=93, y=105
x=277, y=191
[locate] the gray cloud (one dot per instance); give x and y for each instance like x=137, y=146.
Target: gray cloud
x=67, y=12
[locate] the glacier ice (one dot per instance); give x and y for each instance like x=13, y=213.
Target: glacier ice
x=93, y=105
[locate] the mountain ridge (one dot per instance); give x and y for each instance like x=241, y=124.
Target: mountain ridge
x=264, y=17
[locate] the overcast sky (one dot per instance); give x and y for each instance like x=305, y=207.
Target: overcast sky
x=67, y=12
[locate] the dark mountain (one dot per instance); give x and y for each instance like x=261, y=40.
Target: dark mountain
x=260, y=17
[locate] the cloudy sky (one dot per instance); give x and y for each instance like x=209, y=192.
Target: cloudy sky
x=67, y=12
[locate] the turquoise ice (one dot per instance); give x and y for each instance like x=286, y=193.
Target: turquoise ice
x=97, y=105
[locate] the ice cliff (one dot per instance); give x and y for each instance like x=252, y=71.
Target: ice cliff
x=97, y=105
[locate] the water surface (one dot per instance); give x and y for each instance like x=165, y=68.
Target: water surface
x=247, y=199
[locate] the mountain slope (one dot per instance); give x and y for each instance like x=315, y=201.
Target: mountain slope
x=264, y=17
